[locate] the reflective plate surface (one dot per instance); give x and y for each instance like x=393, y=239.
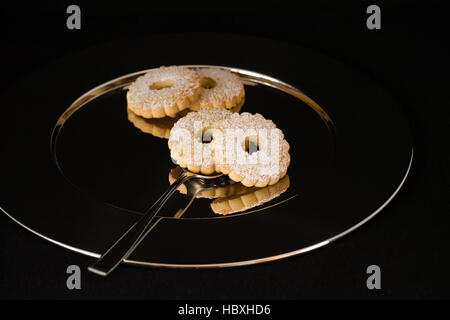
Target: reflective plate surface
x=351, y=152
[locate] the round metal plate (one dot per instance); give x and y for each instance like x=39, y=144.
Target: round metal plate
x=351, y=152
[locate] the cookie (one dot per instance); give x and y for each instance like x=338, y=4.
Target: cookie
x=247, y=147
x=163, y=92
x=250, y=198
x=219, y=89
x=250, y=149
x=190, y=139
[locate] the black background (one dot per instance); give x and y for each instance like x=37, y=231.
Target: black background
x=407, y=58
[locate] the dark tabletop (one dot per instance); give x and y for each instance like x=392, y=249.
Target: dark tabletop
x=406, y=58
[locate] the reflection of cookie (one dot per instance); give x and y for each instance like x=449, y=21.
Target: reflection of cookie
x=163, y=92
x=219, y=89
x=188, y=142
x=250, y=198
x=212, y=193
x=159, y=127
x=235, y=197
x=250, y=149
x=237, y=108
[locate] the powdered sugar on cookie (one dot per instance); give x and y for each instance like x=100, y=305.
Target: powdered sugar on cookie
x=219, y=89
x=186, y=140
x=251, y=150
x=163, y=91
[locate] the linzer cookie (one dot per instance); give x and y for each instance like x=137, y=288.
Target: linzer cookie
x=163, y=92
x=247, y=147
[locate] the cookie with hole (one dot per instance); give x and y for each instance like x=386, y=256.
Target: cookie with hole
x=164, y=91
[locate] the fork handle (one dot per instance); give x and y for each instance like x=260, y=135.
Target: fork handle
x=128, y=242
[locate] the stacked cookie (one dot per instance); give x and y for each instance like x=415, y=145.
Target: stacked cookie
x=168, y=90
x=247, y=147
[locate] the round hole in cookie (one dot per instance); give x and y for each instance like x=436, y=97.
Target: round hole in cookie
x=207, y=83
x=158, y=85
x=207, y=135
x=251, y=144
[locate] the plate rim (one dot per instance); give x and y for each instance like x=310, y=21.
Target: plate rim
x=81, y=101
